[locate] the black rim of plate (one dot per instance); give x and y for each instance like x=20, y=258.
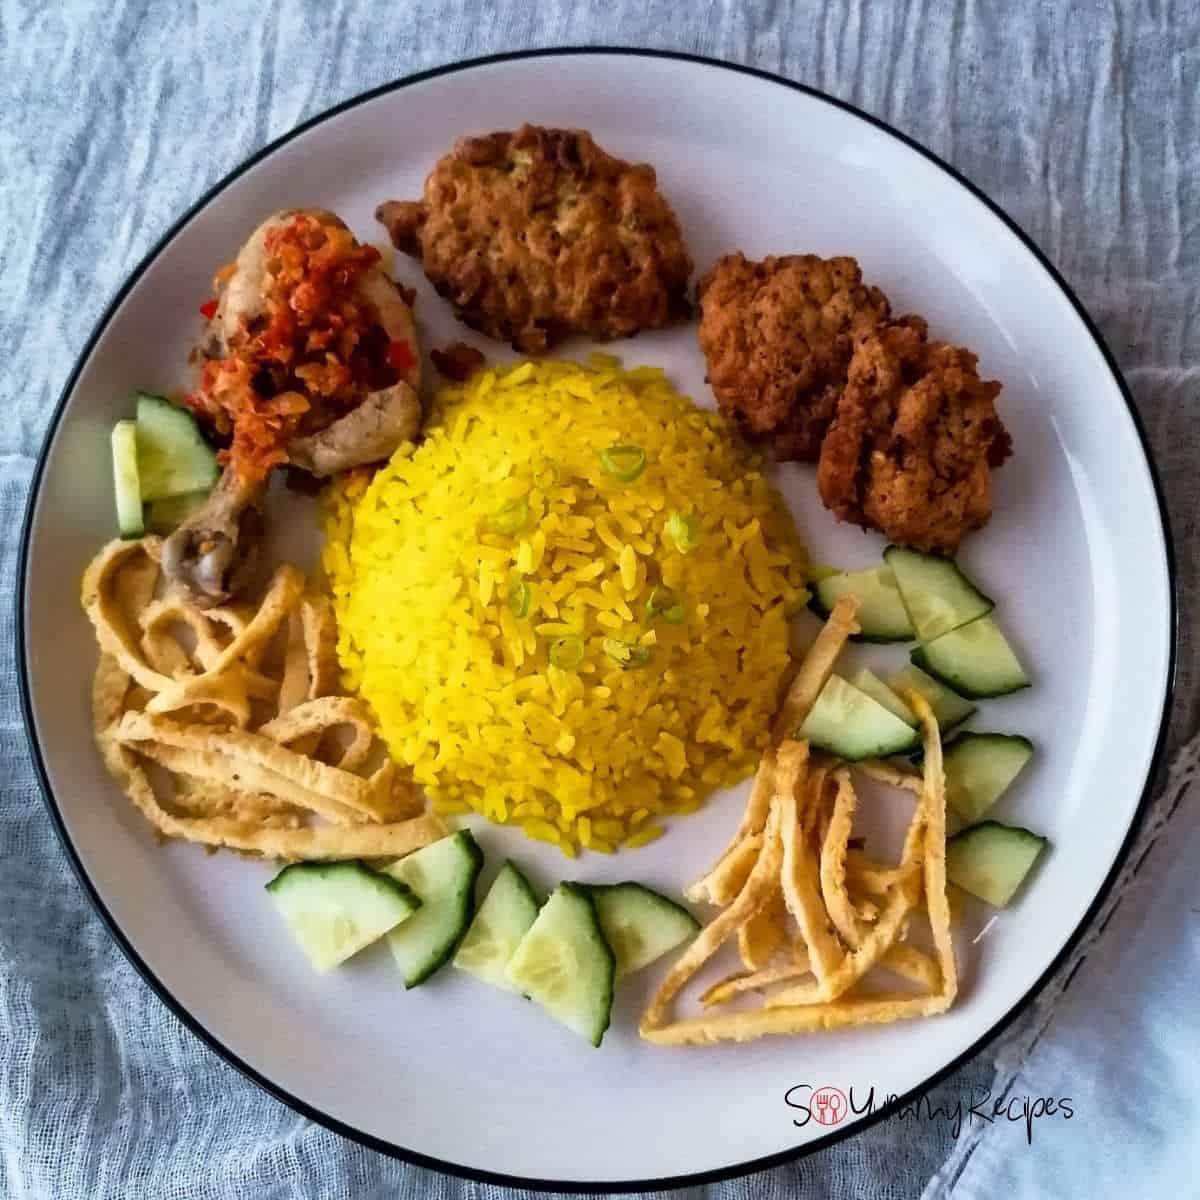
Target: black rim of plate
x=413, y=1156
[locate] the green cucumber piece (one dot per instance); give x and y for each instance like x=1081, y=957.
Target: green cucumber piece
x=173, y=457
x=166, y=515
x=640, y=925
x=333, y=910
x=867, y=681
x=975, y=660
x=126, y=481
x=503, y=919
x=847, y=722
x=949, y=708
x=979, y=768
x=990, y=860
x=937, y=595
x=443, y=876
x=565, y=965
x=881, y=615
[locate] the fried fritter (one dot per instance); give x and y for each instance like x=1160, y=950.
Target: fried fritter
x=777, y=336
x=914, y=440
x=539, y=234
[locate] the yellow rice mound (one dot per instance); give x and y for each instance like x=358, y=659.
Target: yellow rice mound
x=510, y=506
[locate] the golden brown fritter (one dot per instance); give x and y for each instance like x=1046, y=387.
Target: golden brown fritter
x=777, y=336
x=915, y=437
x=539, y=234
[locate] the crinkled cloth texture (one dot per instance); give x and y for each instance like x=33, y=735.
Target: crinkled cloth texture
x=1080, y=120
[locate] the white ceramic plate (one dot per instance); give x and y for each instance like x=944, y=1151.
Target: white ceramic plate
x=455, y=1074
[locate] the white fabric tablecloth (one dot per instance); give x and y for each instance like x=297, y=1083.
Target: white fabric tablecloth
x=1080, y=120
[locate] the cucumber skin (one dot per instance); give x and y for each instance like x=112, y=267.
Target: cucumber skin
x=295, y=873
x=911, y=743
x=973, y=737
x=651, y=897
x=949, y=562
x=579, y=891
x=989, y=829
x=467, y=911
x=921, y=662
x=130, y=512
x=522, y=884
x=815, y=606
x=823, y=611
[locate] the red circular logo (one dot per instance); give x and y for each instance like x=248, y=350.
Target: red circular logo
x=829, y=1105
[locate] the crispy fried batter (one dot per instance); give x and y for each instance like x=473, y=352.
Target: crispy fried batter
x=778, y=335
x=539, y=234
x=914, y=439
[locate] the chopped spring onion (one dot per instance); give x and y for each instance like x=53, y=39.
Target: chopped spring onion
x=546, y=474
x=511, y=517
x=566, y=653
x=626, y=655
x=518, y=598
x=683, y=530
x=665, y=604
x=625, y=463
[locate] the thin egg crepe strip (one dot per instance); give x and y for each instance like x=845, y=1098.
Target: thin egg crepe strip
x=889, y=773
x=729, y=876
x=761, y=938
x=283, y=593
x=320, y=640
x=752, y=981
x=293, y=689
x=934, y=806
x=312, y=777
x=815, y=669
x=214, y=767
x=856, y=964
x=748, y=901
x=801, y=885
x=912, y=964
x=98, y=596
x=328, y=842
x=320, y=716
x=834, y=846
x=708, y=1030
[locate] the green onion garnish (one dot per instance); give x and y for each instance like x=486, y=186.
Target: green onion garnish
x=518, y=598
x=626, y=655
x=566, y=653
x=665, y=604
x=511, y=517
x=683, y=530
x=546, y=474
x=625, y=463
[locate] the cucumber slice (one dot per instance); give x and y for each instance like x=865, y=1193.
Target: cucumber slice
x=640, y=925
x=173, y=457
x=937, y=595
x=975, y=660
x=565, y=964
x=166, y=515
x=503, y=919
x=443, y=876
x=847, y=722
x=335, y=909
x=881, y=612
x=949, y=708
x=979, y=768
x=126, y=482
x=990, y=860
x=867, y=681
